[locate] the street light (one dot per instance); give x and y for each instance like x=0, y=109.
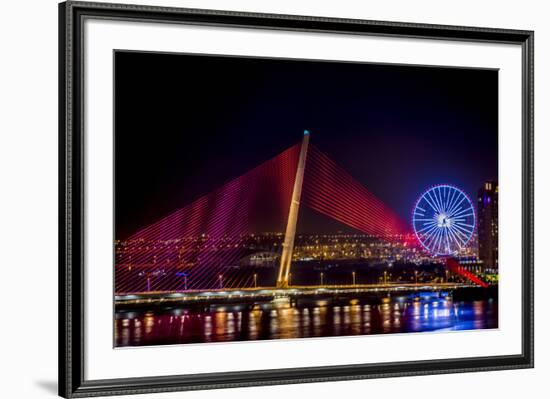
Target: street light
x=353, y=277
x=416, y=276
x=322, y=278
x=385, y=277
x=255, y=280
x=221, y=281
x=289, y=278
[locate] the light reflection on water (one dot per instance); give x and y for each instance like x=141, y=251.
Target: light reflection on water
x=315, y=319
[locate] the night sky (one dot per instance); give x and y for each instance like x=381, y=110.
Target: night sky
x=186, y=124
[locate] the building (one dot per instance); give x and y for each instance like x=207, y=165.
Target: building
x=487, y=226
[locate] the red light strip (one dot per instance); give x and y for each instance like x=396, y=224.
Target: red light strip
x=456, y=267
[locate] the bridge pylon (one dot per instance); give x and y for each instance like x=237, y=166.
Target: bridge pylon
x=290, y=234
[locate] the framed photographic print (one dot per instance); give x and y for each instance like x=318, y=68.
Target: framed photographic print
x=253, y=199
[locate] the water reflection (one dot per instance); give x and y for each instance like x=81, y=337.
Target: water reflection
x=313, y=319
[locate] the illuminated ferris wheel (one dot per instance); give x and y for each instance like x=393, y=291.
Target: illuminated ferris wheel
x=444, y=220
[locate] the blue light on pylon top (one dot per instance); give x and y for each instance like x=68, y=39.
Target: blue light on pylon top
x=306, y=132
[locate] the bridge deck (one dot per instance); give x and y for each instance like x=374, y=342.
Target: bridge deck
x=266, y=293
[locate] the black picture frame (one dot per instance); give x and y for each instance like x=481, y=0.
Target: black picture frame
x=71, y=200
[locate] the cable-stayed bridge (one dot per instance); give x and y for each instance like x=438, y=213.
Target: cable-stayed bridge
x=200, y=247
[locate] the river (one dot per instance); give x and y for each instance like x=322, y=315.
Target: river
x=313, y=318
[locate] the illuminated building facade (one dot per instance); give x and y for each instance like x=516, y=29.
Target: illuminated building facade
x=488, y=225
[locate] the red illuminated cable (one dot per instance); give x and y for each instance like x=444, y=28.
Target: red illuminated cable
x=335, y=201
x=329, y=169
x=329, y=174
x=351, y=211
x=348, y=212
x=171, y=228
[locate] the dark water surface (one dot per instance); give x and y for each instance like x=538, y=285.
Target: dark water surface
x=315, y=318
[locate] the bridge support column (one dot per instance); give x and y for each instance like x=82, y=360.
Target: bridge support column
x=290, y=234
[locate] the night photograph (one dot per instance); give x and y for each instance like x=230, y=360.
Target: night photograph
x=265, y=198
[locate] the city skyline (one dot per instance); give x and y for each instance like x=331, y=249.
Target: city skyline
x=192, y=242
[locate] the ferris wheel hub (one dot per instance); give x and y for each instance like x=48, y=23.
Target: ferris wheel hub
x=443, y=220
